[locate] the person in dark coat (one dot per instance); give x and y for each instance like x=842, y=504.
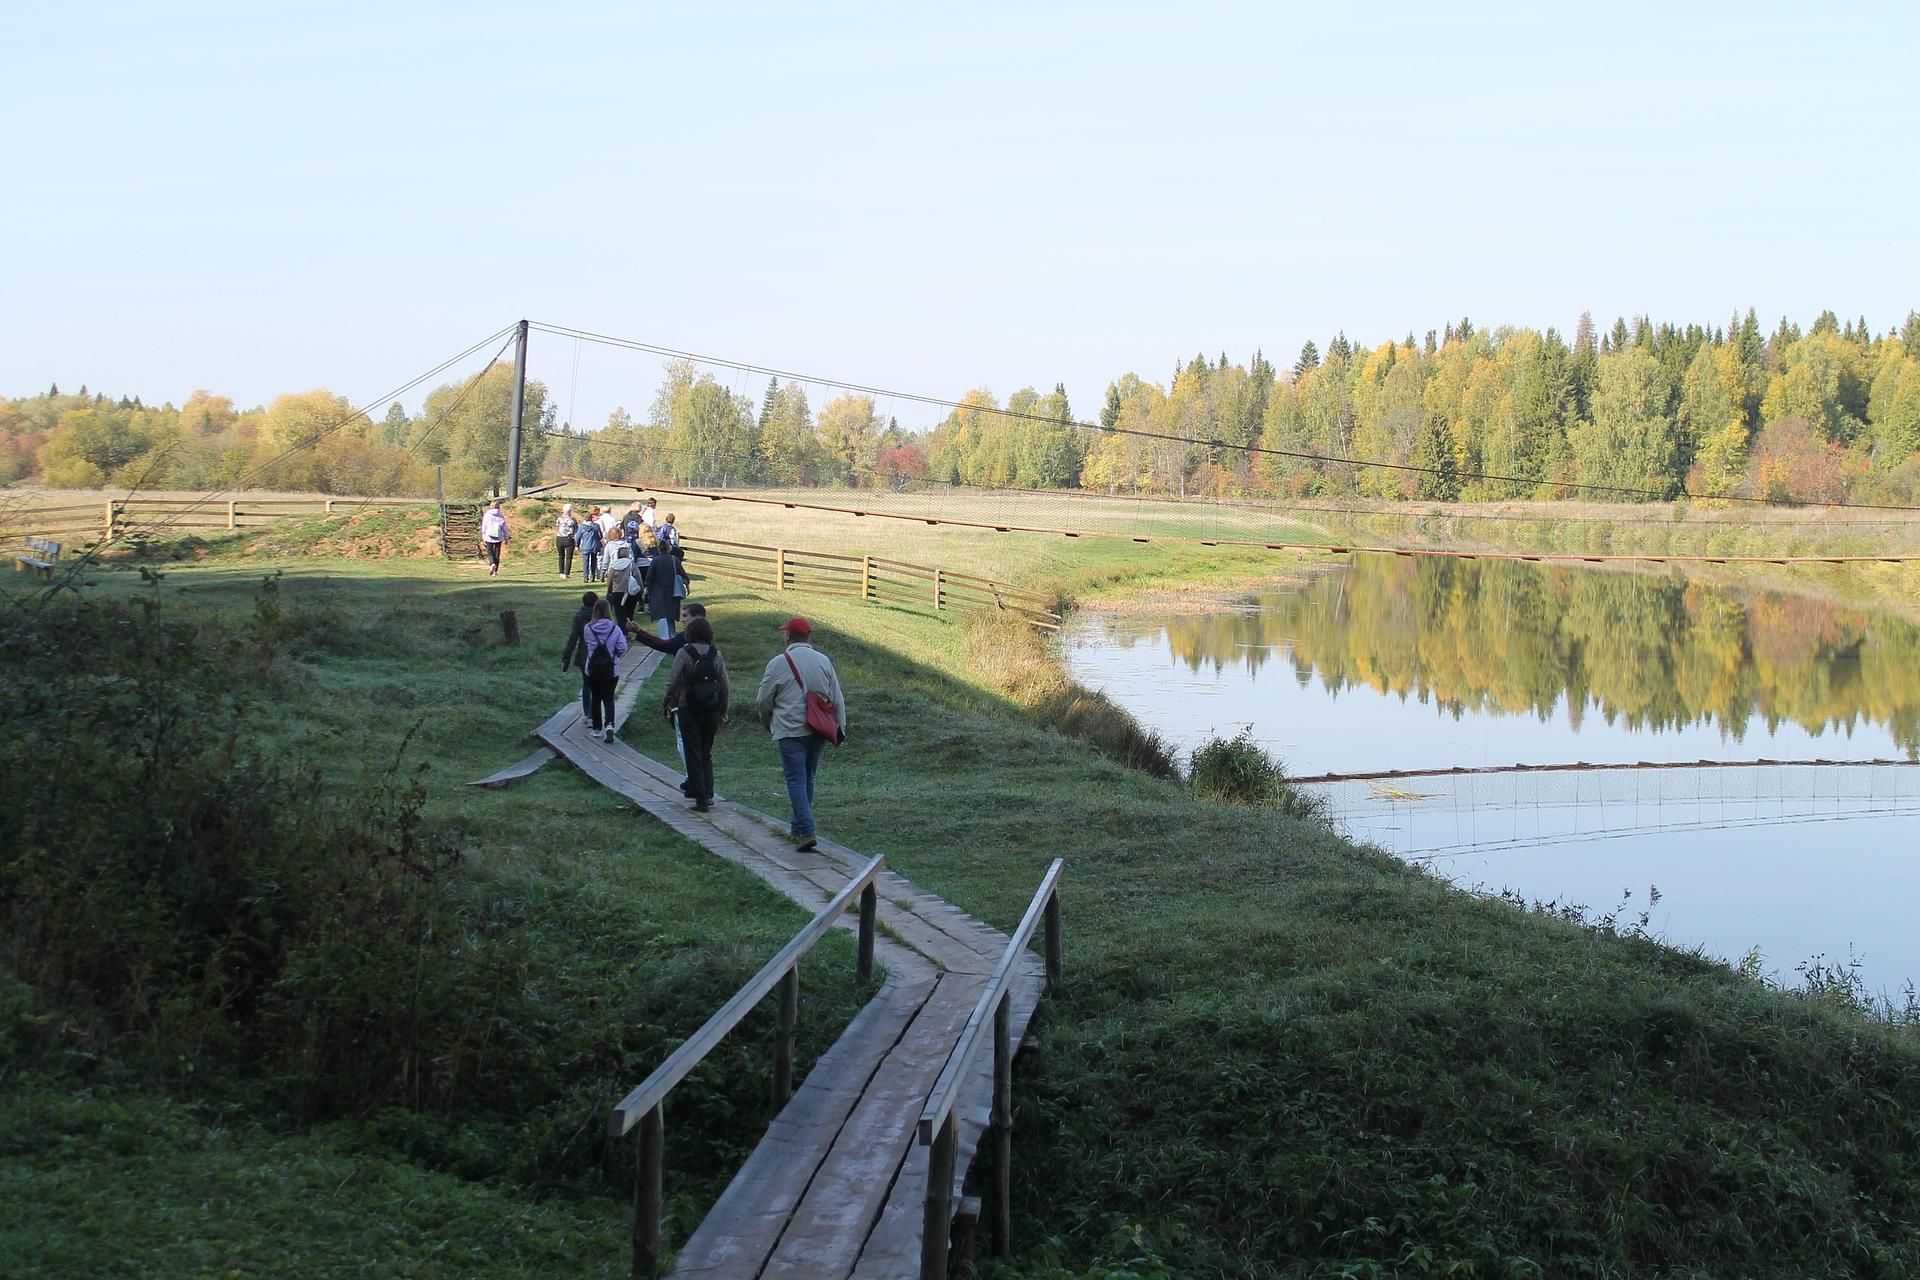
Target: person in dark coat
x=663, y=598
x=697, y=698
x=576, y=644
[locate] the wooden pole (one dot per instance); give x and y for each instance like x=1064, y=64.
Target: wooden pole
x=510, y=624
x=1055, y=961
x=327, y=506
x=1001, y=1226
x=936, y=1220
x=647, y=1191
x=866, y=577
x=230, y=514
x=936, y=590
x=869, y=908
x=783, y=1038
x=108, y=522
x=779, y=568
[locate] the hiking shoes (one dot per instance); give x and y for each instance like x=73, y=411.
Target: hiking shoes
x=805, y=844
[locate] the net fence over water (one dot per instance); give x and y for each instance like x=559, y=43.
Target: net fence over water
x=1438, y=816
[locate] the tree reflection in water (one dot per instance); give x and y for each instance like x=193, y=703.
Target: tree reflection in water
x=1511, y=638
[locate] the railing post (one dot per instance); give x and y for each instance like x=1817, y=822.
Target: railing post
x=783, y=1038
x=107, y=521
x=866, y=578
x=1001, y=1230
x=647, y=1189
x=869, y=908
x=1054, y=958
x=779, y=568
x=230, y=515
x=937, y=1219
x=936, y=589
x=329, y=506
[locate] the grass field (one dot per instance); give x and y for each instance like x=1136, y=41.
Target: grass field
x=1274, y=1054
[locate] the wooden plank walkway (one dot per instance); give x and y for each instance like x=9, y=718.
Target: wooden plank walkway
x=835, y=1188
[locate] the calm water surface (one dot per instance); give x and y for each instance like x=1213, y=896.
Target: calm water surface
x=1392, y=664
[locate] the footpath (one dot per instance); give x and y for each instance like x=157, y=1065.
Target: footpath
x=837, y=1186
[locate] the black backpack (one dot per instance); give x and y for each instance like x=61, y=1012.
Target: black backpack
x=703, y=680
x=599, y=662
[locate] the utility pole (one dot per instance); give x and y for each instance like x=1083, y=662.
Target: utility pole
x=519, y=410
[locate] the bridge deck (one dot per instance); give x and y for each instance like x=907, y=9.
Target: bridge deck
x=835, y=1187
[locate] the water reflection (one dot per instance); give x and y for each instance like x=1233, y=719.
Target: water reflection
x=1417, y=664
x=1501, y=638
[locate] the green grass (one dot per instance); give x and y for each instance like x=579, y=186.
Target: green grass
x=1274, y=1054
x=622, y=938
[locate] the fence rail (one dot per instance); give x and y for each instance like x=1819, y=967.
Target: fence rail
x=645, y=1105
x=110, y=518
x=939, y=1128
x=875, y=579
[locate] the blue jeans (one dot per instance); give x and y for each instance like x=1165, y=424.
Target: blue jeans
x=799, y=760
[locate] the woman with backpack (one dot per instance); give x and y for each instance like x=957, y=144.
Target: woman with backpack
x=623, y=578
x=698, y=693
x=605, y=642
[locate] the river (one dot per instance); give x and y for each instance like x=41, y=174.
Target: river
x=1431, y=664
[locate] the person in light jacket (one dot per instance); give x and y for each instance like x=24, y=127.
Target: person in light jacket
x=623, y=578
x=564, y=528
x=782, y=705
x=606, y=641
x=494, y=536
x=696, y=700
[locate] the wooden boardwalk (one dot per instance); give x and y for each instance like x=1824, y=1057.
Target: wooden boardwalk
x=836, y=1187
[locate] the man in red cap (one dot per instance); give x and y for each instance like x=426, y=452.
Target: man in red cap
x=799, y=671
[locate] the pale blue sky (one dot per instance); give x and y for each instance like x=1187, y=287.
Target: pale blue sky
x=263, y=197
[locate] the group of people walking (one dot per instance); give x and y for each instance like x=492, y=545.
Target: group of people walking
x=799, y=703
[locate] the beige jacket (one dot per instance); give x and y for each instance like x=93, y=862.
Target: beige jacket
x=781, y=703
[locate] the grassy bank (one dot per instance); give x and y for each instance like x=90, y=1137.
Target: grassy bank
x=161, y=1123
x=1274, y=1054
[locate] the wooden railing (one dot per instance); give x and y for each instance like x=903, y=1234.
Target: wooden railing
x=939, y=1128
x=644, y=1106
x=875, y=579
x=111, y=518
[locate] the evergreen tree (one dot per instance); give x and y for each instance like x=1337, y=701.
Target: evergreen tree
x=1910, y=333
x=1826, y=322
x=1110, y=412
x=1620, y=339
x=1309, y=360
x=1440, y=482
x=1464, y=330
x=1340, y=349
x=1432, y=345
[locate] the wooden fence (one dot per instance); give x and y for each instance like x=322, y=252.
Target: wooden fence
x=875, y=579
x=939, y=1128
x=85, y=523
x=643, y=1106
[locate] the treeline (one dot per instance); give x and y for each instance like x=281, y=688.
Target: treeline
x=1644, y=410
x=1639, y=411
x=700, y=432
x=309, y=440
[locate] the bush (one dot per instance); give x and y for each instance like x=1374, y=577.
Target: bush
x=1237, y=771
x=185, y=904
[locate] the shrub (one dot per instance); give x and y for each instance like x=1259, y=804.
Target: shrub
x=1237, y=771
x=180, y=902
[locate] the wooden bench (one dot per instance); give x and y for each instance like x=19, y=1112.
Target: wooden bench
x=41, y=555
